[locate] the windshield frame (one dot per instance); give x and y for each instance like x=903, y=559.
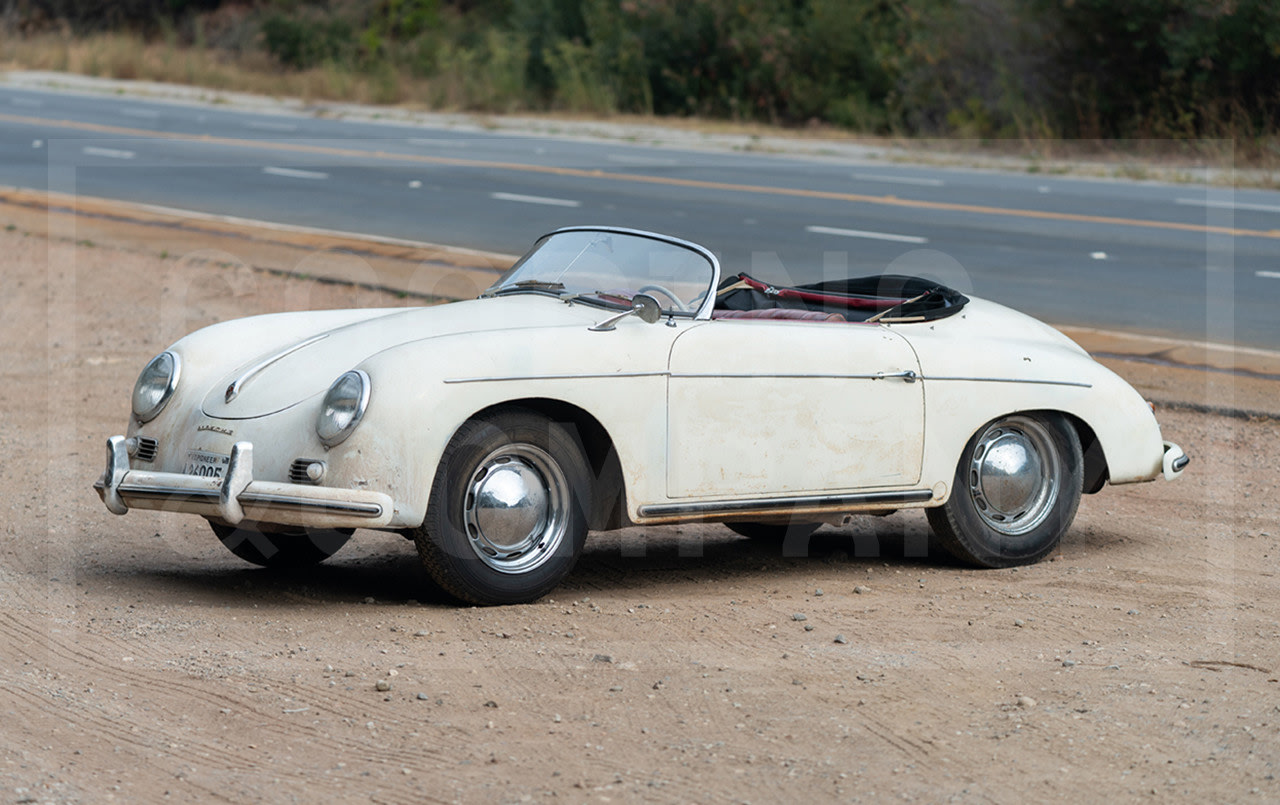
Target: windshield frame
x=705, y=306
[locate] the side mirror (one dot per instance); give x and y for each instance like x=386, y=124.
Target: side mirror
x=645, y=307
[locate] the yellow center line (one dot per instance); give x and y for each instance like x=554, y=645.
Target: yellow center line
x=856, y=198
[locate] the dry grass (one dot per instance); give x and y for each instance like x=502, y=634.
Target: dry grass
x=127, y=56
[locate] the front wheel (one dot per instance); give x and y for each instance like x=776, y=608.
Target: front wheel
x=506, y=518
x=283, y=549
x=1015, y=492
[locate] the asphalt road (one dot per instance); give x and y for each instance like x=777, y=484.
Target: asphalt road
x=1185, y=261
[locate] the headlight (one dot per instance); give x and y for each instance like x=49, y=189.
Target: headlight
x=155, y=386
x=343, y=407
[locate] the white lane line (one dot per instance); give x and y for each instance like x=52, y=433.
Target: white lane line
x=913, y=180
x=1228, y=205
x=638, y=161
x=28, y=102
x=293, y=173
x=112, y=153
x=433, y=141
x=551, y=202
x=150, y=114
x=1271, y=275
x=264, y=125
x=1098, y=255
x=858, y=233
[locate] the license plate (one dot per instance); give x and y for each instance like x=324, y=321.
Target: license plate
x=206, y=465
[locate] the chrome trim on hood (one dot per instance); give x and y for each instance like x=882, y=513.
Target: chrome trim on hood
x=237, y=385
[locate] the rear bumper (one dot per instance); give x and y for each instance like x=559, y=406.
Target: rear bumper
x=1175, y=461
x=238, y=496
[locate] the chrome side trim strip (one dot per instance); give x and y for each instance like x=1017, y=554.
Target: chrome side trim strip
x=506, y=378
x=772, y=376
x=1013, y=380
x=238, y=384
x=706, y=508
x=909, y=377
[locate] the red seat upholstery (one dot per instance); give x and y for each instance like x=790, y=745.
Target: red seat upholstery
x=778, y=313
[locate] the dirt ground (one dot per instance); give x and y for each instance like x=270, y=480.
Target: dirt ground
x=140, y=661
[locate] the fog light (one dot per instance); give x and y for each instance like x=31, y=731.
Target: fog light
x=315, y=471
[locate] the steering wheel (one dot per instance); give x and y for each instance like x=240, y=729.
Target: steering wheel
x=680, y=306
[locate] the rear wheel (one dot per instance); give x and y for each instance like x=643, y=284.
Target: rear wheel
x=506, y=518
x=1015, y=493
x=283, y=549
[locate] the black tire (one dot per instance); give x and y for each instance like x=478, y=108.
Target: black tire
x=793, y=537
x=284, y=549
x=1015, y=492
x=504, y=553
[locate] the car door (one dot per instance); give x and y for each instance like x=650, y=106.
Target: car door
x=765, y=407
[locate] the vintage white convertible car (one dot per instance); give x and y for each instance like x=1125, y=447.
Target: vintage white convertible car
x=611, y=378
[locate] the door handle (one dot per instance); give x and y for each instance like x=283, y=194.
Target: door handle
x=907, y=375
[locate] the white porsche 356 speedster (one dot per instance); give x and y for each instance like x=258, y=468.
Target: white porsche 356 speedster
x=611, y=378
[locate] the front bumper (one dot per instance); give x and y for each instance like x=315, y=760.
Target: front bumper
x=238, y=496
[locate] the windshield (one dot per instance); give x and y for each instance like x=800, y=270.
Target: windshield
x=609, y=267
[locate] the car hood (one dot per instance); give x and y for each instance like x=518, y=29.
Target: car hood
x=287, y=374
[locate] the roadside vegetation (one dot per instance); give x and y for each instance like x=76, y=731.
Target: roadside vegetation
x=983, y=69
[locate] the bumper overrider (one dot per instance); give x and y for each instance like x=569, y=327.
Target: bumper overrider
x=1175, y=461
x=237, y=496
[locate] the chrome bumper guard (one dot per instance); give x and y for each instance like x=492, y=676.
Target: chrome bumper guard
x=236, y=497
x=1175, y=461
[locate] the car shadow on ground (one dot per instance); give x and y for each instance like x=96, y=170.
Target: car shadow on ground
x=386, y=569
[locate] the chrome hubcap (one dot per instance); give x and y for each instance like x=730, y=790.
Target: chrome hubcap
x=1013, y=477
x=515, y=508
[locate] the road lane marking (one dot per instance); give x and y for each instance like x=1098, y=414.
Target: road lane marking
x=264, y=125
x=110, y=153
x=550, y=202
x=150, y=114
x=638, y=161
x=1271, y=275
x=668, y=181
x=858, y=233
x=1228, y=205
x=1098, y=255
x=294, y=173
x=920, y=182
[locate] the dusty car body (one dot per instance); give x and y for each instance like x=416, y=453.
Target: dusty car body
x=612, y=377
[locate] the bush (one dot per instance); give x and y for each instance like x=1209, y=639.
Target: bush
x=301, y=41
